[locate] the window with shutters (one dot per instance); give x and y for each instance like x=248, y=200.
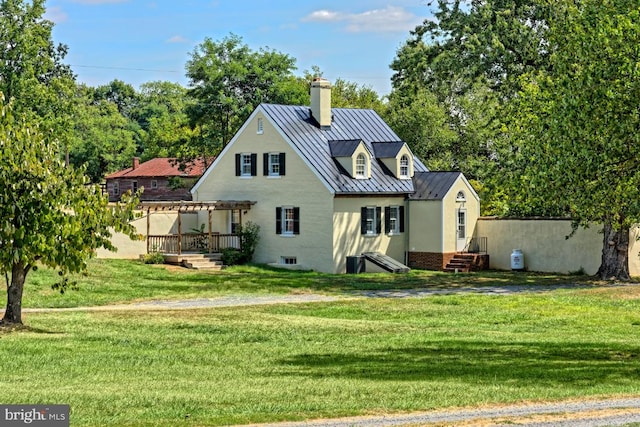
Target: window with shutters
x=246, y=164
x=287, y=221
x=394, y=219
x=370, y=222
x=274, y=164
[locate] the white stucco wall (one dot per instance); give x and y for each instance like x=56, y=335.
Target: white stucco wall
x=543, y=243
x=299, y=187
x=160, y=223
x=347, y=238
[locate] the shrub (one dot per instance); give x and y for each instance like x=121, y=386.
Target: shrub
x=232, y=256
x=153, y=258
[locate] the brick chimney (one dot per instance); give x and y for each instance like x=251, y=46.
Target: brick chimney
x=321, y=102
x=136, y=163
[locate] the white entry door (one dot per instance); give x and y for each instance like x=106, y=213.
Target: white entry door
x=461, y=229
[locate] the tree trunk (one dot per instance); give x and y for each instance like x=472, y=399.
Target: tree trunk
x=615, y=254
x=13, y=313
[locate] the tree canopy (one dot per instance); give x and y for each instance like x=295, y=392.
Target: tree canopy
x=32, y=71
x=576, y=125
x=228, y=80
x=49, y=214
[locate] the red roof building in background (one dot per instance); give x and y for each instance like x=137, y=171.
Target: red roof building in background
x=162, y=179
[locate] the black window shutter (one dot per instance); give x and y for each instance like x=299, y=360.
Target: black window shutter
x=363, y=220
x=401, y=214
x=282, y=158
x=254, y=164
x=237, y=164
x=387, y=219
x=278, y=220
x=296, y=220
x=378, y=220
x=265, y=164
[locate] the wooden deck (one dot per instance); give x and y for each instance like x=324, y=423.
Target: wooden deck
x=191, y=243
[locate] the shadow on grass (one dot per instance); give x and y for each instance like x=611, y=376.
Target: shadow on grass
x=524, y=364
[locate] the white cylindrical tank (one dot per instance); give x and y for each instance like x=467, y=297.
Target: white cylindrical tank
x=517, y=260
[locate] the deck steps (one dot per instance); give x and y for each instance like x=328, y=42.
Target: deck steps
x=197, y=261
x=467, y=262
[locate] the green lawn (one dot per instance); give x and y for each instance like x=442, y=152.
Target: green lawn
x=121, y=281
x=292, y=362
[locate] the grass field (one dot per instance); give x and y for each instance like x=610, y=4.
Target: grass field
x=292, y=362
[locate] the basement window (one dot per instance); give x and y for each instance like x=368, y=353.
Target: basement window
x=288, y=260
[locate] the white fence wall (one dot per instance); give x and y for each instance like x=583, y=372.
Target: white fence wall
x=545, y=246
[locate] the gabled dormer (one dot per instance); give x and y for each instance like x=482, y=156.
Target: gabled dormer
x=396, y=156
x=353, y=156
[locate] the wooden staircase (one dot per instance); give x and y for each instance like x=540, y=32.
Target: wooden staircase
x=197, y=261
x=467, y=262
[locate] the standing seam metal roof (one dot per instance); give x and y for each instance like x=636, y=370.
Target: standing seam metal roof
x=347, y=125
x=433, y=185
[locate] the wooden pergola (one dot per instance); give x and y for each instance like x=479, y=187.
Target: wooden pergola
x=176, y=241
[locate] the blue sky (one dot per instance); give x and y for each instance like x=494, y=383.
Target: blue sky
x=138, y=41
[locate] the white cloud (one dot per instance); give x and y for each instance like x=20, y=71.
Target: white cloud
x=177, y=39
x=324, y=16
x=389, y=19
x=56, y=15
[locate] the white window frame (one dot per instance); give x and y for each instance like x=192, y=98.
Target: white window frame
x=404, y=166
x=361, y=166
x=288, y=260
x=260, y=127
x=394, y=219
x=154, y=184
x=234, y=218
x=274, y=164
x=288, y=223
x=245, y=164
x=460, y=197
x=371, y=221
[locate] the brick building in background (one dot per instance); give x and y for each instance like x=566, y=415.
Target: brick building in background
x=162, y=179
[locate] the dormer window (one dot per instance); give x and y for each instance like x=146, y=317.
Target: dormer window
x=404, y=166
x=361, y=166
x=460, y=197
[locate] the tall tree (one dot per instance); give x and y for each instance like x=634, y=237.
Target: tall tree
x=578, y=125
x=470, y=58
x=49, y=215
x=346, y=94
x=488, y=41
x=228, y=80
x=32, y=72
x=103, y=140
x=161, y=113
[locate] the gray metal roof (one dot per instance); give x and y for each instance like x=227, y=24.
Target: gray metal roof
x=386, y=150
x=433, y=185
x=347, y=124
x=343, y=148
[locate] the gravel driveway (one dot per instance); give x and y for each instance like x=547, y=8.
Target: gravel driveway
x=587, y=413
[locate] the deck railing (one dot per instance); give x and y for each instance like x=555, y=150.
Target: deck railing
x=477, y=245
x=192, y=242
